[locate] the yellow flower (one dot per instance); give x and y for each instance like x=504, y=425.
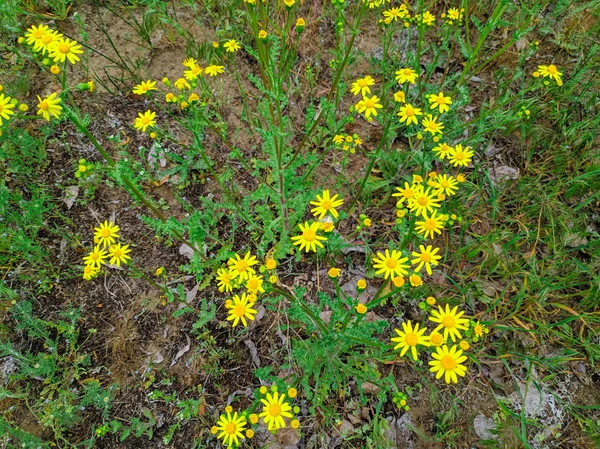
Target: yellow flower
x=431, y=225
x=409, y=114
x=394, y=14
x=459, y=156
x=406, y=75
x=442, y=150
x=431, y=125
x=309, y=239
x=65, y=48
x=428, y=18
x=273, y=279
x=410, y=338
x=427, y=257
x=253, y=417
x=254, y=284
x=361, y=308
x=47, y=40
x=464, y=345
x=326, y=203
x=159, y=271
x=96, y=258
x=424, y=201
x=89, y=272
x=361, y=86
x=240, y=309
x=480, y=329
x=415, y=280
x=448, y=363
x=368, y=106
x=300, y=24
x=106, y=233
x=23, y=107
x=231, y=428
x=274, y=410
x=400, y=97
x=361, y=284
x=289, y=3
x=171, y=98
x=242, y=268
x=367, y=222
x=145, y=120
x=249, y=433
x=338, y=139
x=550, y=71
x=189, y=62
x=182, y=84
x=193, y=97
x=193, y=72
x=440, y=101
x=262, y=34
x=6, y=108
x=390, y=264
x=49, y=106
x=225, y=280
x=55, y=70
x=334, y=272
x=446, y=184
x=295, y=424
x=406, y=194
x=327, y=226
x=144, y=87
x=430, y=300
x=398, y=281
x=460, y=177
x=436, y=339
x=35, y=34
x=118, y=254
x=271, y=264
x=292, y=393
x=231, y=46
x=214, y=70
x=450, y=321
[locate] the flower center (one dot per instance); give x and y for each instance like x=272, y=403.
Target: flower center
x=326, y=204
x=44, y=106
x=239, y=310
x=146, y=120
x=411, y=339
x=64, y=48
x=459, y=156
x=253, y=284
x=117, y=254
x=369, y=104
x=106, y=233
x=230, y=428
x=407, y=72
x=409, y=112
x=425, y=257
x=423, y=201
x=362, y=83
x=445, y=184
x=309, y=235
x=552, y=69
x=275, y=410
x=94, y=256
x=241, y=266
x=47, y=39
x=436, y=339
x=430, y=224
x=391, y=263
x=448, y=322
x=448, y=362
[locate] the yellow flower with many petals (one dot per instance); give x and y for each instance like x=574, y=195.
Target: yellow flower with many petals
x=442, y=150
x=409, y=114
x=240, y=309
x=49, y=106
x=390, y=264
x=214, y=70
x=96, y=258
x=242, y=267
x=361, y=85
x=225, y=280
x=65, y=49
x=431, y=125
x=440, y=101
x=326, y=203
x=181, y=84
x=262, y=34
x=47, y=40
x=35, y=34
x=254, y=285
x=145, y=120
x=450, y=321
x=459, y=156
x=274, y=410
x=410, y=338
x=231, y=46
x=89, y=272
x=6, y=108
x=431, y=225
x=231, y=428
x=427, y=257
x=309, y=240
x=368, y=106
x=550, y=71
x=446, y=184
x=144, y=87
x=406, y=75
x=119, y=254
x=106, y=233
x=425, y=200
x=399, y=97
x=448, y=363
x=193, y=72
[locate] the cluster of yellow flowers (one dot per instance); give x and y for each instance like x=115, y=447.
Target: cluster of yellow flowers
x=239, y=273
x=447, y=361
x=105, y=238
x=402, y=14
x=347, y=142
x=51, y=42
x=309, y=239
x=234, y=427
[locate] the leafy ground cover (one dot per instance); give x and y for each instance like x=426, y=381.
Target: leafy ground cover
x=295, y=224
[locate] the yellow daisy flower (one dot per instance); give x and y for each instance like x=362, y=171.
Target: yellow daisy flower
x=193, y=72
x=49, y=106
x=35, y=34
x=550, y=71
x=427, y=257
x=431, y=125
x=65, y=49
x=89, y=272
x=425, y=200
x=390, y=264
x=254, y=285
x=144, y=87
x=450, y=321
x=118, y=254
x=448, y=363
x=225, y=280
x=274, y=410
x=326, y=203
x=431, y=225
x=440, y=101
x=446, y=184
x=47, y=40
x=368, y=106
x=6, y=108
x=96, y=258
x=406, y=75
x=361, y=86
x=214, y=70
x=145, y=120
x=106, y=233
x=242, y=268
x=231, y=428
x=231, y=46
x=459, y=156
x=442, y=150
x=409, y=114
x=240, y=309
x=410, y=338
x=309, y=239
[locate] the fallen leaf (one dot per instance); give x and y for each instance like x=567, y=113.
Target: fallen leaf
x=182, y=351
x=71, y=194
